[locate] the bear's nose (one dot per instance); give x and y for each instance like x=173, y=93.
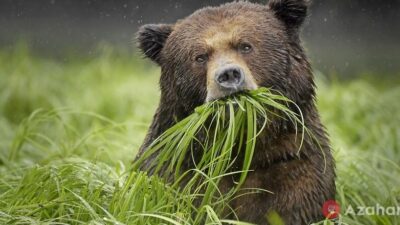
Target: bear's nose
x=230, y=77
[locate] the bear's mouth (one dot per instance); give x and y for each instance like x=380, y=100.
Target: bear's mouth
x=228, y=96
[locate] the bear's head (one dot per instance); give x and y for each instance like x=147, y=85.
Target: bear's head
x=238, y=46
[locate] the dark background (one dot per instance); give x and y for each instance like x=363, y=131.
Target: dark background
x=345, y=37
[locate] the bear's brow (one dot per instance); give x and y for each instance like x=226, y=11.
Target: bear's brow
x=223, y=37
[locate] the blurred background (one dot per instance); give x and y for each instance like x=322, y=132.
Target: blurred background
x=345, y=38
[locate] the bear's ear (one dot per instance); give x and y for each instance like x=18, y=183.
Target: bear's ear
x=291, y=12
x=151, y=39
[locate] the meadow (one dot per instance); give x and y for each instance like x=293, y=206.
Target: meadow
x=70, y=128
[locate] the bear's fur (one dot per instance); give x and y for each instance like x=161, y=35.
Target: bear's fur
x=300, y=182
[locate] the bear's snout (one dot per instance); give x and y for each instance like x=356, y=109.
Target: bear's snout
x=230, y=78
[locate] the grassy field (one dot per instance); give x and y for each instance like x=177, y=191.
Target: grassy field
x=70, y=128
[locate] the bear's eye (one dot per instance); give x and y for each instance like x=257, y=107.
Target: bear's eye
x=201, y=59
x=245, y=48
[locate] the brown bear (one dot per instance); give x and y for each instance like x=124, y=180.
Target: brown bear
x=218, y=51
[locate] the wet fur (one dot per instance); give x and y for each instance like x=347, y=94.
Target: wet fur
x=300, y=182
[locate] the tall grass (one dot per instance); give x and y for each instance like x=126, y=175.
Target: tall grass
x=78, y=192
x=70, y=128
x=365, y=132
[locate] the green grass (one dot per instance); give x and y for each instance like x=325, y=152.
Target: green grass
x=70, y=128
x=217, y=133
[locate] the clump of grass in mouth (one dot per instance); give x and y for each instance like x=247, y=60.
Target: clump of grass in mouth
x=214, y=135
